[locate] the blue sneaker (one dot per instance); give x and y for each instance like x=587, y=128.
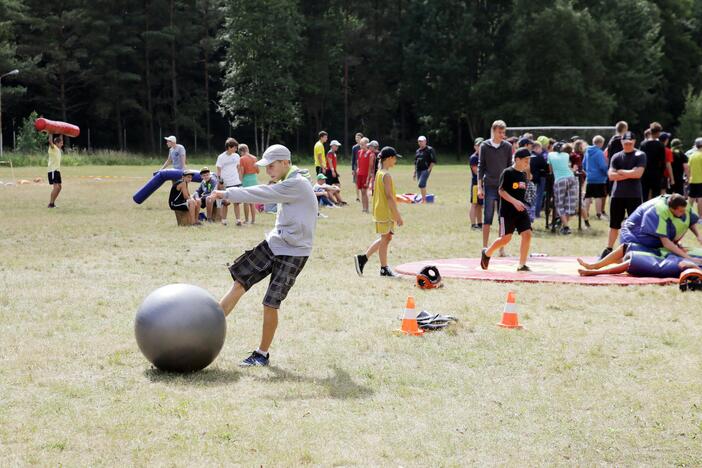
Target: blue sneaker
x=256, y=359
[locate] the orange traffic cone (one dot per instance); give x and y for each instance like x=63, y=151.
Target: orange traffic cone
x=510, y=318
x=409, y=321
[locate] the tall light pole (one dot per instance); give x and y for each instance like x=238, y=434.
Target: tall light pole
x=10, y=73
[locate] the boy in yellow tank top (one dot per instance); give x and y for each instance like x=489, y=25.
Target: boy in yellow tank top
x=385, y=214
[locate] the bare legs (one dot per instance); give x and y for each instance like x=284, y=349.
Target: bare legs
x=249, y=209
x=612, y=264
x=501, y=242
x=237, y=213
x=55, y=193
x=270, y=315
x=381, y=246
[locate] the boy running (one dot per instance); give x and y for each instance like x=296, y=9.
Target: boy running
x=284, y=252
x=385, y=214
x=513, y=210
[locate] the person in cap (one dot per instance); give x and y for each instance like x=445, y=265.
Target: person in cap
x=476, y=203
x=332, y=174
x=230, y=172
x=424, y=162
x=207, y=186
x=176, y=154
x=625, y=170
x=513, y=211
x=284, y=252
x=679, y=166
x=328, y=195
x=373, y=161
x=385, y=214
x=249, y=171
x=695, y=175
x=320, y=160
x=179, y=198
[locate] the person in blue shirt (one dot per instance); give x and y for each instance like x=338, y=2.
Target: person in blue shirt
x=595, y=167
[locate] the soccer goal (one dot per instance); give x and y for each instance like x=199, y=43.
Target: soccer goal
x=12, y=171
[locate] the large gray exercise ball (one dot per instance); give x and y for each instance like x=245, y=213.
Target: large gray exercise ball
x=180, y=328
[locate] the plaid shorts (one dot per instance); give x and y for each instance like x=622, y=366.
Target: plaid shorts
x=566, y=196
x=254, y=265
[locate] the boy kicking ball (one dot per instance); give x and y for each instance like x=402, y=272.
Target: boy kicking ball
x=385, y=214
x=513, y=211
x=283, y=254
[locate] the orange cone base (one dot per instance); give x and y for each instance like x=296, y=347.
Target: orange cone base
x=419, y=332
x=518, y=327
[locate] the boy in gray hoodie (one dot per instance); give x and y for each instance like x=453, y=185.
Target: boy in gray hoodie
x=284, y=252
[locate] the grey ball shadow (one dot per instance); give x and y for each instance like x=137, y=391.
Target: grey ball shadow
x=205, y=378
x=339, y=386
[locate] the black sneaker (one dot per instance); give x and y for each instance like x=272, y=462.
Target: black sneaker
x=360, y=261
x=587, y=223
x=484, y=259
x=51, y=205
x=387, y=271
x=523, y=268
x=565, y=230
x=256, y=359
x=605, y=252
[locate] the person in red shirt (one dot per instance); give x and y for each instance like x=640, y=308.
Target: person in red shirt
x=362, y=171
x=332, y=172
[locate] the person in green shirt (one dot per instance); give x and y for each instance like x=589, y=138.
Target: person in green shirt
x=55, y=153
x=320, y=156
x=695, y=176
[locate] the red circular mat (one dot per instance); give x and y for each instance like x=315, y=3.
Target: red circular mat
x=545, y=270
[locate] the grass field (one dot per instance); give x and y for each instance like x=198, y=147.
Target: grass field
x=601, y=375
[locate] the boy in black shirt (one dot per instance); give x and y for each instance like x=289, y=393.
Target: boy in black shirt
x=513, y=210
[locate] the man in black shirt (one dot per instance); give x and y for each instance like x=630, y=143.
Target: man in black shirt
x=513, y=210
x=424, y=161
x=652, y=180
x=625, y=170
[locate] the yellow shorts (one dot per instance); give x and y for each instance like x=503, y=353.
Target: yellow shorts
x=385, y=227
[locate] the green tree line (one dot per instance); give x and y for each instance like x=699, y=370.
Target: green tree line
x=133, y=71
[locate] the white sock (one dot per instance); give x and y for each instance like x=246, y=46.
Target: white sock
x=262, y=353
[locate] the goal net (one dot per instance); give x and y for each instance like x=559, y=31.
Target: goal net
x=564, y=133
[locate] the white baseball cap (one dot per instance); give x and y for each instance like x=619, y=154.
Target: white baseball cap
x=334, y=143
x=274, y=153
x=422, y=138
x=171, y=138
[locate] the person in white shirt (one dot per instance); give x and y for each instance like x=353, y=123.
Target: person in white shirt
x=229, y=174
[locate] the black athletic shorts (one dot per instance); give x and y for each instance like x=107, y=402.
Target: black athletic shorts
x=617, y=207
x=254, y=265
x=595, y=190
x=695, y=191
x=180, y=207
x=519, y=221
x=54, y=177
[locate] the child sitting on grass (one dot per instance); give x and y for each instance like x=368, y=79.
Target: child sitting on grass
x=385, y=214
x=513, y=210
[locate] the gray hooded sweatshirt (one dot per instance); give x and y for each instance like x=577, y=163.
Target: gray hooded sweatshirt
x=296, y=219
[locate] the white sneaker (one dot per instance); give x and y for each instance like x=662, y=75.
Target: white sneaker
x=224, y=222
x=321, y=215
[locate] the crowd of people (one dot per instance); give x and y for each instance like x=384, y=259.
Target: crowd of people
x=521, y=174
